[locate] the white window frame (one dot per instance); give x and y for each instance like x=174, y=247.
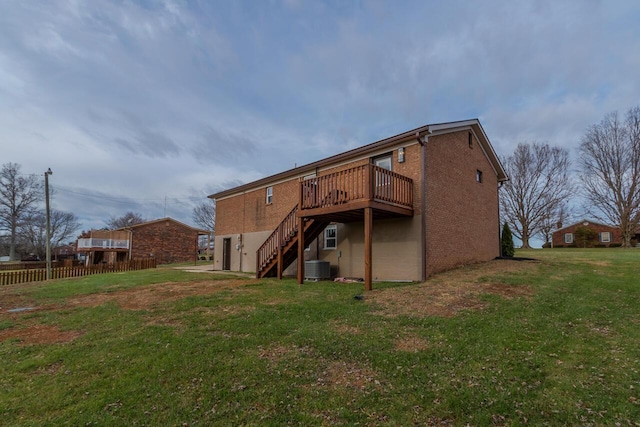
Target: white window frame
x=269, y=195
x=333, y=238
x=383, y=182
x=568, y=238
x=384, y=161
x=605, y=233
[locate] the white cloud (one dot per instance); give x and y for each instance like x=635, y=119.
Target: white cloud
x=138, y=101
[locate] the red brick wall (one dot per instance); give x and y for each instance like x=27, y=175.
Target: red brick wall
x=558, y=236
x=462, y=214
x=248, y=213
x=166, y=240
x=462, y=225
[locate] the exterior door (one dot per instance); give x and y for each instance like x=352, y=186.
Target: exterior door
x=226, y=254
x=383, y=180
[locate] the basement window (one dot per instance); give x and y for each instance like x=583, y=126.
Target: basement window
x=331, y=237
x=269, y=195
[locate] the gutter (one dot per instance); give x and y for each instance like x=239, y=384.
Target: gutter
x=329, y=161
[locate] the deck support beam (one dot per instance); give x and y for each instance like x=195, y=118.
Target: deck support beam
x=301, y=245
x=368, y=230
x=280, y=261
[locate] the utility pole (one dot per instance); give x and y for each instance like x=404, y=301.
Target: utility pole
x=46, y=192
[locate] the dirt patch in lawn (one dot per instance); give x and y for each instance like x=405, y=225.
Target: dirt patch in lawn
x=39, y=334
x=146, y=297
x=138, y=298
x=411, y=344
x=346, y=329
x=341, y=374
x=449, y=293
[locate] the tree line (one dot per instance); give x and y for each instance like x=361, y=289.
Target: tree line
x=538, y=197
x=23, y=218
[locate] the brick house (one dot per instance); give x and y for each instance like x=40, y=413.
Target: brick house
x=400, y=208
x=605, y=235
x=165, y=239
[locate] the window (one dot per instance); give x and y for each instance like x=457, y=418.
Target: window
x=331, y=237
x=605, y=237
x=384, y=162
x=269, y=195
x=478, y=176
x=568, y=238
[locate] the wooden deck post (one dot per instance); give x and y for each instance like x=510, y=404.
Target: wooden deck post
x=280, y=244
x=300, y=250
x=280, y=263
x=368, y=229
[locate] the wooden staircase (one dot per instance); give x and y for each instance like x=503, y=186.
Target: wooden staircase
x=281, y=247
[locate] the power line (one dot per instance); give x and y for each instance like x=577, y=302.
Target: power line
x=168, y=200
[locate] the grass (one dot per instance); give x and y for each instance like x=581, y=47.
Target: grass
x=274, y=353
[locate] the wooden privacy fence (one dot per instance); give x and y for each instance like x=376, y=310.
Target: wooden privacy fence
x=26, y=265
x=37, y=275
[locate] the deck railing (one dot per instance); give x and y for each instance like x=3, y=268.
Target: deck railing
x=103, y=243
x=280, y=236
x=366, y=182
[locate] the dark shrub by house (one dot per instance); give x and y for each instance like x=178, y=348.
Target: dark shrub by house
x=507, y=241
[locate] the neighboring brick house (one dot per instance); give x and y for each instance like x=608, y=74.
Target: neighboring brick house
x=63, y=252
x=603, y=235
x=362, y=210
x=166, y=240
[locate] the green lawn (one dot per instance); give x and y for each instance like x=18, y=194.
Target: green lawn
x=555, y=342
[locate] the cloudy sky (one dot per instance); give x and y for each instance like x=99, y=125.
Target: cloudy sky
x=150, y=105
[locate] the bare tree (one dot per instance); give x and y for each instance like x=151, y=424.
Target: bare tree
x=18, y=196
x=32, y=231
x=610, y=171
x=204, y=215
x=539, y=184
x=126, y=220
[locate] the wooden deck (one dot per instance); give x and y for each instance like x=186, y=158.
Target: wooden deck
x=363, y=193
x=343, y=196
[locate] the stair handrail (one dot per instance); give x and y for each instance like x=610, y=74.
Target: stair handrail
x=287, y=228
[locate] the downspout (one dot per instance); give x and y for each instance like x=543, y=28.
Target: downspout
x=423, y=203
x=500, y=184
x=244, y=217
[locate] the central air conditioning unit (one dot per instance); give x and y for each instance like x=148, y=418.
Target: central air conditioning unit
x=317, y=270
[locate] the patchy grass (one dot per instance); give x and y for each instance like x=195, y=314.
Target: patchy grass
x=550, y=342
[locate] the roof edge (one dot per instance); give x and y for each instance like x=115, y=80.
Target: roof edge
x=581, y=222
x=348, y=155
x=199, y=230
